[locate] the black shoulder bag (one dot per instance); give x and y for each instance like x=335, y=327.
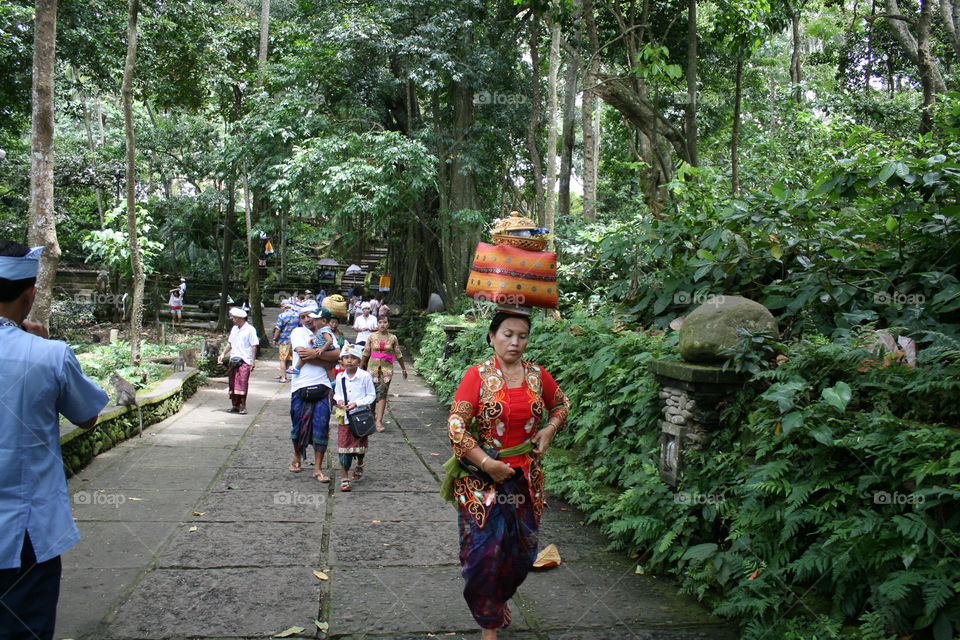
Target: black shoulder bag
x=360, y=419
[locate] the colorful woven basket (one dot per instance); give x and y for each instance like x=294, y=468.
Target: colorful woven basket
x=536, y=243
x=336, y=305
x=512, y=277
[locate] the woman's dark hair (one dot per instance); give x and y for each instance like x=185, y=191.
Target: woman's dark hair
x=500, y=317
x=10, y=290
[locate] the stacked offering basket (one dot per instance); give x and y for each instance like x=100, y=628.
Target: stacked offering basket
x=336, y=305
x=515, y=272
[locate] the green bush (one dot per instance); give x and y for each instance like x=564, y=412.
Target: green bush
x=826, y=505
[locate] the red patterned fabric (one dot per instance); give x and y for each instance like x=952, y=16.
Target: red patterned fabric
x=501, y=418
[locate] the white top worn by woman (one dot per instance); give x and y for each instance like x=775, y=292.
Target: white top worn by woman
x=242, y=341
x=360, y=388
x=364, y=327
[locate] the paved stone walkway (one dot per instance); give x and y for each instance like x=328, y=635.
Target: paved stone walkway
x=198, y=530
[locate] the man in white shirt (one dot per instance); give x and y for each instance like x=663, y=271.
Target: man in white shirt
x=243, y=343
x=364, y=324
x=310, y=392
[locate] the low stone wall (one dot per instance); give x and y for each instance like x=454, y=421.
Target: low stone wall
x=116, y=424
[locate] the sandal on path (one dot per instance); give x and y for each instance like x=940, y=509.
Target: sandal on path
x=243, y=411
x=320, y=477
x=344, y=485
x=507, y=616
x=358, y=472
x=380, y=427
x=295, y=467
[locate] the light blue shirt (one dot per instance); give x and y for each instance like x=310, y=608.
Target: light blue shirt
x=38, y=379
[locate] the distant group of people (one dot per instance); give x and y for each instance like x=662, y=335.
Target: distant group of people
x=329, y=376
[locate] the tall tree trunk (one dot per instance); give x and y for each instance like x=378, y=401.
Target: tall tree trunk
x=534, y=122
x=260, y=205
x=136, y=316
x=168, y=194
x=554, y=70
x=735, y=137
x=911, y=47
x=868, y=64
x=459, y=243
x=43, y=229
x=567, y=136
x=690, y=111
x=795, y=71
x=96, y=101
x=229, y=233
x=93, y=154
x=925, y=65
x=283, y=245
x=590, y=103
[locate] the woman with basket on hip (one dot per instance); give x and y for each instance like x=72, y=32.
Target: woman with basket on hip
x=353, y=391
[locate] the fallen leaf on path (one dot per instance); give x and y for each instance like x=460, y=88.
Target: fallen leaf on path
x=395, y=395
x=191, y=529
x=549, y=557
x=222, y=422
x=321, y=575
x=136, y=499
x=233, y=486
x=199, y=513
x=286, y=633
x=434, y=454
x=639, y=571
x=564, y=509
x=323, y=626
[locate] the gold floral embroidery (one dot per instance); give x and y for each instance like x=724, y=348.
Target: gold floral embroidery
x=473, y=494
x=460, y=414
x=561, y=408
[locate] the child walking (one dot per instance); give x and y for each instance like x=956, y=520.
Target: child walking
x=360, y=392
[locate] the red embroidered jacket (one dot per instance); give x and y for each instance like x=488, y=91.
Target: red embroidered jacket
x=501, y=418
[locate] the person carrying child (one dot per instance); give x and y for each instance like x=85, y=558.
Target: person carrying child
x=360, y=392
x=325, y=339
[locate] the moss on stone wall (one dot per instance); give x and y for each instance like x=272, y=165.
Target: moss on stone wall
x=80, y=446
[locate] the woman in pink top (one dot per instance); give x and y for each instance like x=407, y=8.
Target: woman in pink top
x=379, y=353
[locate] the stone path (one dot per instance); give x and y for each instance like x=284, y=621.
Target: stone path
x=198, y=530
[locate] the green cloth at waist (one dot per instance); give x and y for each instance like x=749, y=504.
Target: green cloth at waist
x=454, y=470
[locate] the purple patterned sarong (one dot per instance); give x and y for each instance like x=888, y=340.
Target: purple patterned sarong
x=495, y=560
x=310, y=423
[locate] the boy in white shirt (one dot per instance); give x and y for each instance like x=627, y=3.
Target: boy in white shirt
x=360, y=392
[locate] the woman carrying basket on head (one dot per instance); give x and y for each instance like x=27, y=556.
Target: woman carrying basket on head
x=495, y=428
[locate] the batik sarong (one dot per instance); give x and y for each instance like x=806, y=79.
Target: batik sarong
x=310, y=423
x=238, y=379
x=350, y=446
x=382, y=371
x=495, y=559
